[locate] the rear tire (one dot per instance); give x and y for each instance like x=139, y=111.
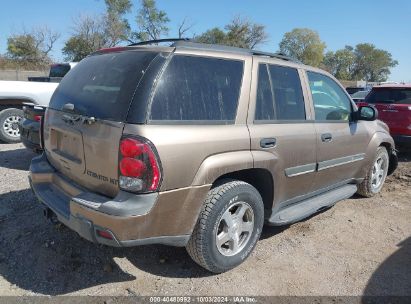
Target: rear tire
x=228, y=226
x=9, y=120
x=376, y=174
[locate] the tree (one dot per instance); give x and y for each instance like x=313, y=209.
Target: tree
x=91, y=33
x=240, y=32
x=364, y=61
x=151, y=22
x=117, y=28
x=184, y=27
x=372, y=64
x=303, y=44
x=341, y=63
x=34, y=46
x=89, y=36
x=212, y=36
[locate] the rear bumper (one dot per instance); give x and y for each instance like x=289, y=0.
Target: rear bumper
x=30, y=134
x=402, y=139
x=156, y=218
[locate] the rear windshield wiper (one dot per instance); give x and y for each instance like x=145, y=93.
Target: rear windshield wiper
x=69, y=107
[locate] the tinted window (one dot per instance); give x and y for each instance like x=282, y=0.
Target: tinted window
x=352, y=90
x=264, y=103
x=59, y=70
x=399, y=96
x=330, y=100
x=279, y=94
x=103, y=85
x=198, y=88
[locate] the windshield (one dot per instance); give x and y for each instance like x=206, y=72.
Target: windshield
x=360, y=94
x=390, y=95
x=103, y=85
x=352, y=90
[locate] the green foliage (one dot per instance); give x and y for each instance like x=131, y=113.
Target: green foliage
x=364, y=61
x=89, y=36
x=22, y=47
x=116, y=27
x=372, y=64
x=77, y=48
x=239, y=32
x=303, y=44
x=93, y=33
x=33, y=46
x=341, y=63
x=212, y=36
x=119, y=7
x=151, y=22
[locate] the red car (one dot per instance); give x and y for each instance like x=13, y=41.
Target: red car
x=393, y=102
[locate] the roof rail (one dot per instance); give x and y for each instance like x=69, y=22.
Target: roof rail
x=217, y=47
x=275, y=55
x=158, y=41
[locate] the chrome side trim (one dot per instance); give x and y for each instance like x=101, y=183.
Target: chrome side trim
x=310, y=168
x=340, y=161
x=300, y=170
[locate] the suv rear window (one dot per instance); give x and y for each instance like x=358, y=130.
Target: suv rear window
x=198, y=89
x=390, y=95
x=103, y=85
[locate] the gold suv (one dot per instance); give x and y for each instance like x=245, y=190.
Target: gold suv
x=199, y=145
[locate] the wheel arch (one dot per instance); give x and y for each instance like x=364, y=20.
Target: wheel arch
x=382, y=139
x=16, y=103
x=238, y=165
x=392, y=154
x=259, y=178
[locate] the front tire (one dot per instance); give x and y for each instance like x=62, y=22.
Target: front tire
x=376, y=174
x=228, y=227
x=9, y=128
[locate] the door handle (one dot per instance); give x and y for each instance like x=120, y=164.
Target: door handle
x=326, y=137
x=268, y=142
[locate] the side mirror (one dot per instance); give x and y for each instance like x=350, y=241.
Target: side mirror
x=367, y=113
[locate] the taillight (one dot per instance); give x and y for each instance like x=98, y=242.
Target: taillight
x=139, y=166
x=37, y=117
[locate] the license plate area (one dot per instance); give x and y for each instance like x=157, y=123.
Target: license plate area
x=66, y=147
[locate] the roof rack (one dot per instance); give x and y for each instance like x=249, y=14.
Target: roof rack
x=275, y=55
x=187, y=42
x=158, y=41
x=216, y=47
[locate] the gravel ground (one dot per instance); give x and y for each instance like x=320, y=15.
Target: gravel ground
x=360, y=246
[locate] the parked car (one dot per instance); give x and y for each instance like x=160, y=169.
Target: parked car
x=16, y=94
x=393, y=102
x=199, y=145
x=13, y=96
x=353, y=90
x=30, y=127
x=359, y=96
x=57, y=72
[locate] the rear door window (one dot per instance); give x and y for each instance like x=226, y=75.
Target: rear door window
x=279, y=94
x=103, y=85
x=395, y=96
x=198, y=89
x=265, y=103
